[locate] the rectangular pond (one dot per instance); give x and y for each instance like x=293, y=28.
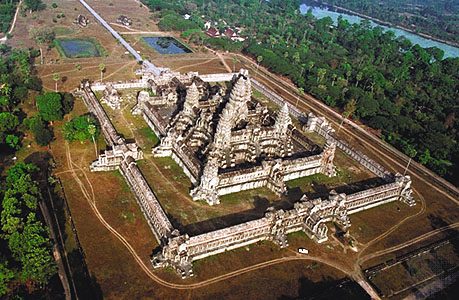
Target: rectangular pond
x=77, y=48
x=166, y=45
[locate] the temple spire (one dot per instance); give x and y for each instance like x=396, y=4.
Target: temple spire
x=192, y=98
x=283, y=120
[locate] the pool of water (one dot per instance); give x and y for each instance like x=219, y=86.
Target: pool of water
x=322, y=12
x=166, y=45
x=78, y=48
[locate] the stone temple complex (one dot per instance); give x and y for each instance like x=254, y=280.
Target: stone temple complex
x=225, y=142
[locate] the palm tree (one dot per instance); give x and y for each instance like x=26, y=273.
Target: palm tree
x=234, y=63
x=321, y=72
x=102, y=70
x=300, y=94
x=349, y=109
x=56, y=78
x=259, y=60
x=411, y=152
x=92, y=131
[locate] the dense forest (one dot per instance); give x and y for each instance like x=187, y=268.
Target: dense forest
x=408, y=93
x=7, y=10
x=26, y=261
x=438, y=18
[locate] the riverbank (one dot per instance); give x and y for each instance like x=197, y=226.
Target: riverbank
x=340, y=9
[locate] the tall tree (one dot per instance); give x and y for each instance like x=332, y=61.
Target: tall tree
x=42, y=36
x=50, y=106
x=102, y=70
x=349, y=110
x=56, y=78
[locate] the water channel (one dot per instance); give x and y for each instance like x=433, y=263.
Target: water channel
x=323, y=11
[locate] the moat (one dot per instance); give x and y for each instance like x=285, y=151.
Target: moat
x=321, y=11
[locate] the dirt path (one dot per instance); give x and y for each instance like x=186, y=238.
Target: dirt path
x=3, y=39
x=194, y=65
x=395, y=227
x=90, y=197
x=408, y=243
x=224, y=62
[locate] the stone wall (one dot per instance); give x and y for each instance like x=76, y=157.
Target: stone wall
x=154, y=214
x=307, y=215
x=122, y=85
x=259, y=176
x=108, y=130
x=323, y=128
x=222, y=77
x=179, y=251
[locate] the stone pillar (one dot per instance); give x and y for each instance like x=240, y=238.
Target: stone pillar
x=405, y=189
x=328, y=156
x=207, y=189
x=175, y=254
x=278, y=227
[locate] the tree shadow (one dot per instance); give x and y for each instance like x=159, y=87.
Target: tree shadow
x=86, y=284
x=54, y=198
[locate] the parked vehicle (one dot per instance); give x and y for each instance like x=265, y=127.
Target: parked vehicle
x=303, y=251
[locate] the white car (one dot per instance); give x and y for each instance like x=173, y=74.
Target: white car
x=303, y=251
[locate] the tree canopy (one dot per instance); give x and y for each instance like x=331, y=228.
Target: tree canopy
x=16, y=78
x=41, y=131
x=81, y=128
x=50, y=106
x=25, y=234
x=34, y=5
x=439, y=18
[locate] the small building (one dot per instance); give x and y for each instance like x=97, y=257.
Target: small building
x=207, y=25
x=124, y=20
x=232, y=35
x=186, y=16
x=229, y=33
x=81, y=21
x=213, y=32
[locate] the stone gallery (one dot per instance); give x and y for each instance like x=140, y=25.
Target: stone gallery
x=226, y=142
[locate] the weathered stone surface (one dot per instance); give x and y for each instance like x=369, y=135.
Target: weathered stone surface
x=227, y=143
x=217, y=133
x=111, y=97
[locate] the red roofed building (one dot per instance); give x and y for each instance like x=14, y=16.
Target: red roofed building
x=229, y=33
x=213, y=32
